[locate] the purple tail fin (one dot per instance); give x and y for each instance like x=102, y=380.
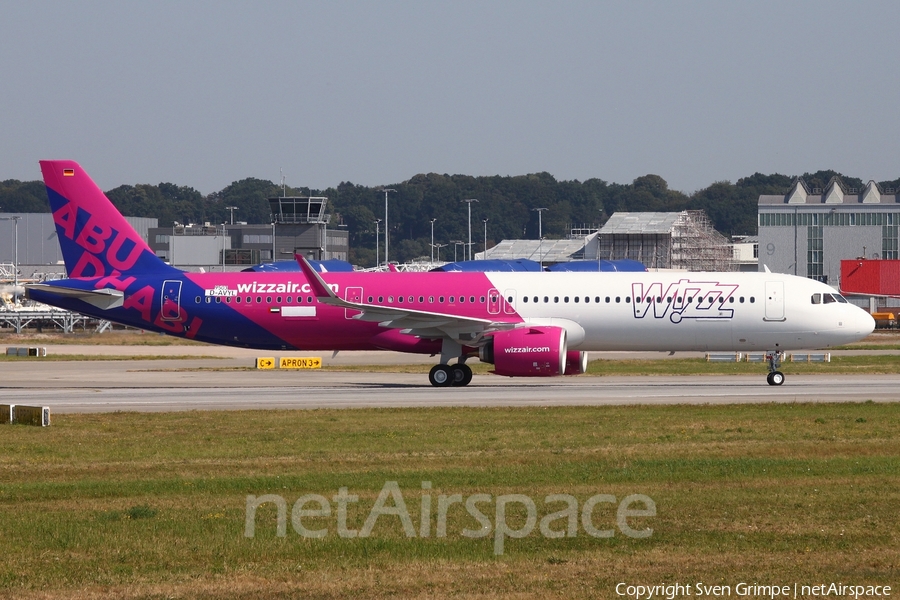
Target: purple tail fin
x=94, y=237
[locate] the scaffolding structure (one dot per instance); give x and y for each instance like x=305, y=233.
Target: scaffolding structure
x=683, y=240
x=697, y=246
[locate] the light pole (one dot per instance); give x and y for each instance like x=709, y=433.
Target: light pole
x=540, y=224
x=457, y=244
x=432, y=239
x=387, y=231
x=377, y=222
x=485, y=239
x=232, y=209
x=438, y=248
x=469, y=201
x=15, y=220
x=223, y=247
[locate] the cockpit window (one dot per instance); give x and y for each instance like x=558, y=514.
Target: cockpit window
x=841, y=299
x=817, y=298
x=829, y=299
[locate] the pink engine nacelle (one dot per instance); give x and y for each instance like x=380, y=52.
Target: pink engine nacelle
x=576, y=362
x=527, y=352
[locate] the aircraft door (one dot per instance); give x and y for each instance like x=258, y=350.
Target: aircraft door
x=493, y=306
x=352, y=294
x=170, y=308
x=774, y=301
x=509, y=302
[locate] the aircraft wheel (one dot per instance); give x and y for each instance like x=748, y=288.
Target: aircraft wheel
x=462, y=375
x=440, y=376
x=776, y=378
x=769, y=379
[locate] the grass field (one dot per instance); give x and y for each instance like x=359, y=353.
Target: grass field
x=153, y=505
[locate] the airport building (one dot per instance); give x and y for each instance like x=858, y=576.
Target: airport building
x=682, y=240
x=35, y=236
x=299, y=225
x=808, y=232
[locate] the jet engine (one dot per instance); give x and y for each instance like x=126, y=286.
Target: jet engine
x=576, y=362
x=526, y=352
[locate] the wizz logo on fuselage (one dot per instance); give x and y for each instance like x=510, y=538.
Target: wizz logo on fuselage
x=684, y=299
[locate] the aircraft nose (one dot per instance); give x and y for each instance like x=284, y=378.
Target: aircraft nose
x=862, y=323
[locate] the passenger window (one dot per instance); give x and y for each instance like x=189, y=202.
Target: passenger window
x=752, y=299
x=524, y=298
x=742, y=300
x=197, y=300
x=451, y=299
x=248, y=299
x=410, y=299
x=659, y=299
x=556, y=298
x=268, y=299
x=441, y=299
x=472, y=299
x=462, y=299
x=259, y=299
x=510, y=299
x=431, y=299
x=390, y=299
x=218, y=299
x=309, y=299
x=237, y=299
x=380, y=299
x=731, y=300
x=618, y=299
x=597, y=299
x=278, y=299
x=577, y=299
x=566, y=299
x=482, y=299
x=535, y=300
x=546, y=299
x=627, y=299
x=370, y=299
x=607, y=299
x=421, y=299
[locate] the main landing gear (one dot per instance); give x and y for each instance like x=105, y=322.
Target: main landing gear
x=457, y=375
x=775, y=377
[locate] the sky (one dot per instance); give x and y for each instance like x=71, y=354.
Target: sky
x=202, y=94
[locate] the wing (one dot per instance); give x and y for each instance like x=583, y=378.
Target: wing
x=420, y=323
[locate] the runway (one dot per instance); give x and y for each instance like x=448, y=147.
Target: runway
x=229, y=384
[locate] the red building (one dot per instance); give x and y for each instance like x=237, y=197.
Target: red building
x=870, y=277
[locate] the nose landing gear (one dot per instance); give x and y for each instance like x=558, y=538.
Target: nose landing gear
x=775, y=377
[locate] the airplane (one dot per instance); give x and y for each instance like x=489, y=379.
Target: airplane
x=527, y=324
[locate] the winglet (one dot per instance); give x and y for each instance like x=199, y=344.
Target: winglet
x=318, y=285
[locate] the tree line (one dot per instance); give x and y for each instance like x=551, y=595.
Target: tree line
x=507, y=203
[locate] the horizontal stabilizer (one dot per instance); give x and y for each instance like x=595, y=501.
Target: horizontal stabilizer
x=104, y=299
